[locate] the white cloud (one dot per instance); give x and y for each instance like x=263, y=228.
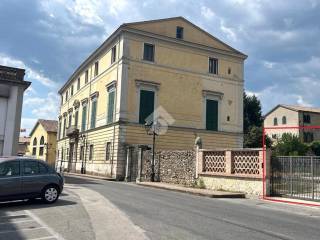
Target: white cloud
x=268, y=64
x=31, y=74
x=207, y=13
x=46, y=107
x=228, y=31
x=28, y=124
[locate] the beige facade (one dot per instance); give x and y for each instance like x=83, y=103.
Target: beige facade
x=142, y=61
x=43, y=141
x=292, y=119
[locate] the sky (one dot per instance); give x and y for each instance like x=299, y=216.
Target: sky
x=51, y=38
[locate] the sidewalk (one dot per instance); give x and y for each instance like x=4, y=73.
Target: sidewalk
x=88, y=176
x=195, y=191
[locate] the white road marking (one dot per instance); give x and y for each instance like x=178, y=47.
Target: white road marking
x=22, y=221
x=42, y=238
x=21, y=229
x=41, y=223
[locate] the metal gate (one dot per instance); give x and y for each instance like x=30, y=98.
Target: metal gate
x=296, y=177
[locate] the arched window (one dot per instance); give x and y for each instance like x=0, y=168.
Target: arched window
x=284, y=120
x=41, y=146
x=275, y=121
x=34, y=148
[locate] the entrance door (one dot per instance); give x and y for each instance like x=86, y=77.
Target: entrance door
x=70, y=160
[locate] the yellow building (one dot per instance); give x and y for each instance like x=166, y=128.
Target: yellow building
x=43, y=140
x=293, y=119
x=191, y=79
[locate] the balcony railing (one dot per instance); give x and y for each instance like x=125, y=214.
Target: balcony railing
x=72, y=131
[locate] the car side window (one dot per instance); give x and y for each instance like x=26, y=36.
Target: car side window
x=30, y=168
x=10, y=169
x=43, y=168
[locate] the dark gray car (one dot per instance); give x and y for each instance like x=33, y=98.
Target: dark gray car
x=26, y=178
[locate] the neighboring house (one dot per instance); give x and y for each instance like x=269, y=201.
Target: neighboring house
x=293, y=116
x=168, y=63
x=12, y=87
x=23, y=148
x=43, y=139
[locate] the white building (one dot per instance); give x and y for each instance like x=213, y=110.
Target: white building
x=12, y=87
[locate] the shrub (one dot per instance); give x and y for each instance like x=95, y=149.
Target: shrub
x=290, y=145
x=315, y=147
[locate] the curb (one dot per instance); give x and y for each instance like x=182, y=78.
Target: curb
x=88, y=176
x=198, y=192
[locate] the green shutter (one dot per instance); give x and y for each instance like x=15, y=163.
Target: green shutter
x=110, y=107
x=146, y=105
x=93, y=114
x=84, y=118
x=212, y=115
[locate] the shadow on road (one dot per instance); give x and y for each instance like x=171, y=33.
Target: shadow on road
x=33, y=204
x=79, y=180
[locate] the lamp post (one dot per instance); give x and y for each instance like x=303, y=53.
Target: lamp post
x=83, y=140
x=151, y=130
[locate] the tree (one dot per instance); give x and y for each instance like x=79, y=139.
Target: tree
x=290, y=145
x=252, y=122
x=315, y=147
x=253, y=138
x=252, y=113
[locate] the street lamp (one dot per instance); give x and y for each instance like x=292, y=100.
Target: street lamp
x=151, y=129
x=83, y=140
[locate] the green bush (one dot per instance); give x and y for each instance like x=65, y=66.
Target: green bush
x=290, y=145
x=315, y=147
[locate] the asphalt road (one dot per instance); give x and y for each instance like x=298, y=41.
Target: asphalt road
x=170, y=215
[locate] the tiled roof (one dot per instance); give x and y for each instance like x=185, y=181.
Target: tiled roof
x=49, y=125
x=301, y=108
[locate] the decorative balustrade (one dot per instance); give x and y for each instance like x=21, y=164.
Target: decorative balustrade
x=231, y=162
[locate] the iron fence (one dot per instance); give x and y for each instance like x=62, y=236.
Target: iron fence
x=296, y=177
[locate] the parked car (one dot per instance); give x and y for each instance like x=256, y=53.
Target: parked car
x=27, y=178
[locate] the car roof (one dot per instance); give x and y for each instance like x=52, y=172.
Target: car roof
x=10, y=158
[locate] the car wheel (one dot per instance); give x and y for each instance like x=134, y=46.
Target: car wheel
x=50, y=194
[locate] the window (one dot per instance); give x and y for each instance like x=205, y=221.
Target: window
x=91, y=152
x=146, y=105
x=86, y=76
x=93, y=113
x=81, y=152
x=213, y=65
x=179, y=33
x=70, y=119
x=148, y=52
x=10, y=169
x=71, y=90
x=34, y=148
x=30, y=168
x=41, y=148
x=111, y=97
x=229, y=70
x=61, y=99
x=42, y=168
x=308, y=137
x=212, y=115
x=275, y=121
x=62, y=154
x=306, y=118
x=78, y=84
x=96, y=69
x=76, y=117
x=59, y=136
x=113, y=54
x=108, y=151
x=66, y=95
x=84, y=118
x=284, y=120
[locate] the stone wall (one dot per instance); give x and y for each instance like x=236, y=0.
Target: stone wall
x=176, y=167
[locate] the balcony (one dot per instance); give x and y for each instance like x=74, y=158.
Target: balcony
x=72, y=131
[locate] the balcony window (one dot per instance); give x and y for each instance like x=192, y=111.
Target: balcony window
x=148, y=52
x=213, y=65
x=93, y=113
x=84, y=118
x=179, y=33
